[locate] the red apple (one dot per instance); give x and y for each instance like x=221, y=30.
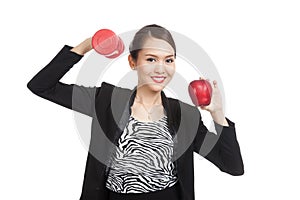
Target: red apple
x=200, y=92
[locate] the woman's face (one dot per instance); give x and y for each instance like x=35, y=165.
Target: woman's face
x=155, y=64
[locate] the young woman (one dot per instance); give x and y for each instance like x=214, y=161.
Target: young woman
x=141, y=165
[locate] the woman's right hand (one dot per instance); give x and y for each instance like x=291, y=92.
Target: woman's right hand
x=83, y=47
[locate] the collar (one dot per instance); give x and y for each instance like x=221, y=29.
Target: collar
x=166, y=104
x=163, y=99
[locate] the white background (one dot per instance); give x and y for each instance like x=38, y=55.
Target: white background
x=255, y=46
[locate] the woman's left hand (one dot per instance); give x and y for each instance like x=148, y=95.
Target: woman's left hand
x=216, y=107
x=216, y=99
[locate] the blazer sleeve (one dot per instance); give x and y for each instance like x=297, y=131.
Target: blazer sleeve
x=46, y=84
x=222, y=149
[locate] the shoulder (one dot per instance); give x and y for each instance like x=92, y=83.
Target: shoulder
x=183, y=106
x=110, y=86
x=117, y=96
x=109, y=89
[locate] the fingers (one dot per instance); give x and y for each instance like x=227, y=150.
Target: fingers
x=200, y=78
x=206, y=108
x=203, y=107
x=214, y=82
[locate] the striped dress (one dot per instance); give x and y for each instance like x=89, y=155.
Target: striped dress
x=142, y=161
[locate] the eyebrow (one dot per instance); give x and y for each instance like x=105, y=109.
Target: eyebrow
x=148, y=54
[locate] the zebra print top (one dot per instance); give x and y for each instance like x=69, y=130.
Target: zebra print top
x=142, y=161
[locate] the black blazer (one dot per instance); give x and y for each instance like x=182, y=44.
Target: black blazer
x=109, y=107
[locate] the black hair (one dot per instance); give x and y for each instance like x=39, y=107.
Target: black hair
x=152, y=30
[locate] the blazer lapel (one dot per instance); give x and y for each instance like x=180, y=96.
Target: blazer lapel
x=123, y=99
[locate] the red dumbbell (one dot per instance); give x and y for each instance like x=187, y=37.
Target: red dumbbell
x=107, y=43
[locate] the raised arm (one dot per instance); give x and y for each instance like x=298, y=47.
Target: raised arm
x=46, y=82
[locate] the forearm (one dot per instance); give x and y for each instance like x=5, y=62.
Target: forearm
x=83, y=47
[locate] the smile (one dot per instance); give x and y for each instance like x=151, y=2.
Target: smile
x=158, y=79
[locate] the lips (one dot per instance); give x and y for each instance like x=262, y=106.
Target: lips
x=158, y=79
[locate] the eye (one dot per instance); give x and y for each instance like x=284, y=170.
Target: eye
x=170, y=60
x=151, y=60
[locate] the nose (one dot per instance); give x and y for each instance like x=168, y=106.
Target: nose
x=159, y=67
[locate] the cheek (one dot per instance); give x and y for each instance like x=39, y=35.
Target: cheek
x=145, y=70
x=171, y=70
x=144, y=73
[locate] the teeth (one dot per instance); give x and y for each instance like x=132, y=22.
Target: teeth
x=158, y=79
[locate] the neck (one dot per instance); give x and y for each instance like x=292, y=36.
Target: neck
x=148, y=97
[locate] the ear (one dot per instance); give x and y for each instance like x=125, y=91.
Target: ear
x=131, y=62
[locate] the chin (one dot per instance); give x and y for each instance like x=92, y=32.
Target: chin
x=156, y=88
